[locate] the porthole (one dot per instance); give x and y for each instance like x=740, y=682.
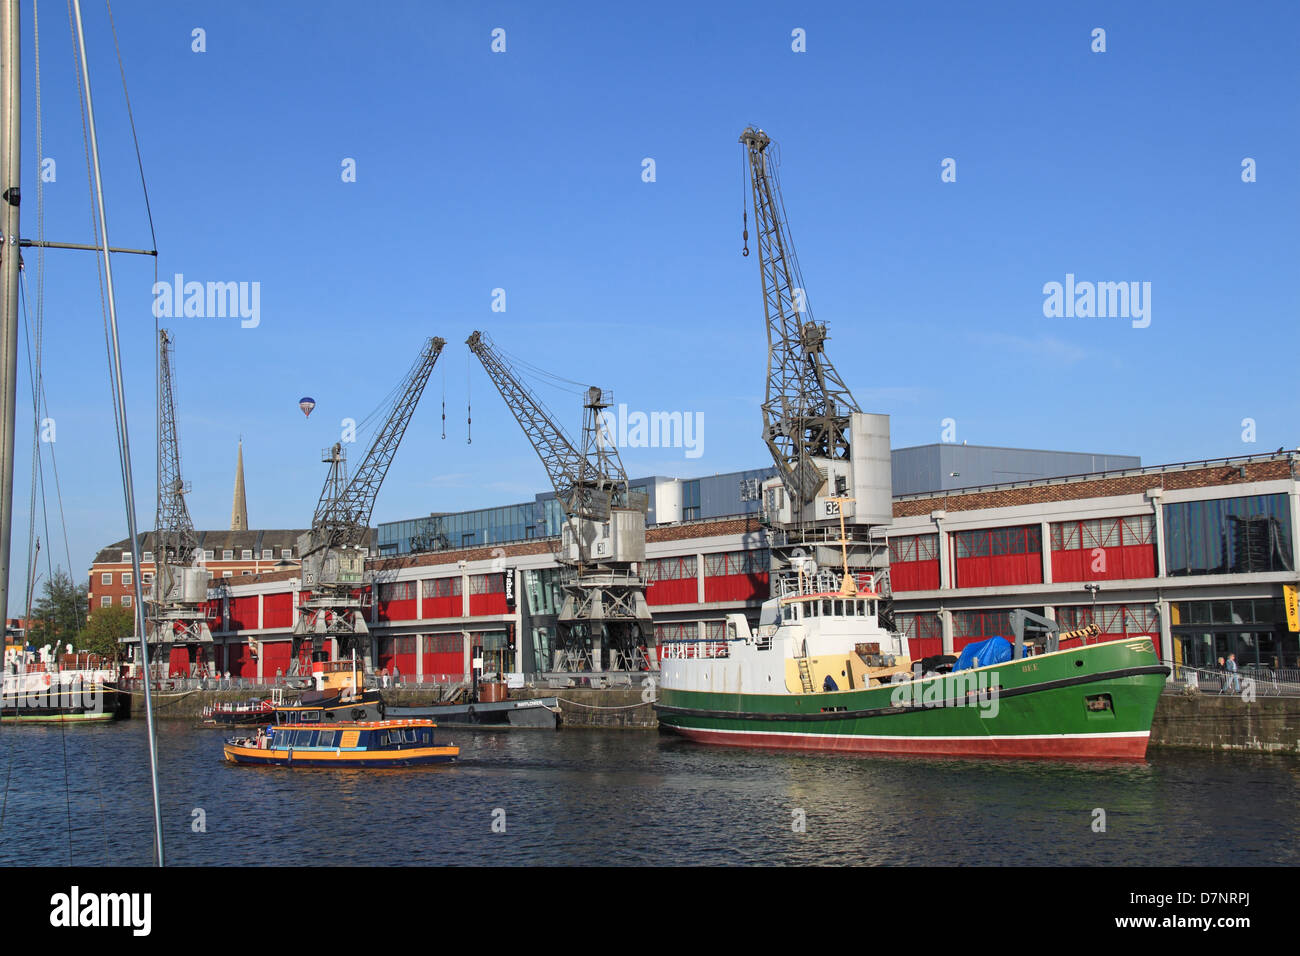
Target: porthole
x=1078, y=663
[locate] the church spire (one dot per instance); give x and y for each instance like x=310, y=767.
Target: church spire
x=239, y=510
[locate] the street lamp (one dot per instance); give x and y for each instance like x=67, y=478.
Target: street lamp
x=1094, y=588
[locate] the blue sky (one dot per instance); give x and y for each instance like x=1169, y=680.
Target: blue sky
x=523, y=171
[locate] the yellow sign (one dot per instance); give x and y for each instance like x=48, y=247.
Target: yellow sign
x=1292, y=607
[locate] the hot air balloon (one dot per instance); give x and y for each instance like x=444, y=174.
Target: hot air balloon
x=306, y=404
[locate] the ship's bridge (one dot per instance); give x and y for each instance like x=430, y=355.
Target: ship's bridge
x=826, y=593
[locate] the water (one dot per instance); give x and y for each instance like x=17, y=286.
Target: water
x=632, y=798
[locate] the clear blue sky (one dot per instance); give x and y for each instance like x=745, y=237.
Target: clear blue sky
x=523, y=171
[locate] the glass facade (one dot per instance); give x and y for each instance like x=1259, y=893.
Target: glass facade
x=1254, y=629
x=1228, y=536
x=464, y=528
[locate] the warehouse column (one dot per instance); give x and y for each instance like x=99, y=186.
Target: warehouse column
x=1045, y=542
x=1155, y=494
x=1166, y=637
x=942, y=544
x=945, y=624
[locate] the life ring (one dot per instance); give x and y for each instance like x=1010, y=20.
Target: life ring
x=47, y=680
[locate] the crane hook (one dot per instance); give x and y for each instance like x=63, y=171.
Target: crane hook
x=745, y=233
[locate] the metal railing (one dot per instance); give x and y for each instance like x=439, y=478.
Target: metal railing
x=693, y=649
x=1264, y=681
x=267, y=684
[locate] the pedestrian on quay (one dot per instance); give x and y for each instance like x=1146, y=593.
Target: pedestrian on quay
x=396, y=677
x=1232, y=673
x=1223, y=677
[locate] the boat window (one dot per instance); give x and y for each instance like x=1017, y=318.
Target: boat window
x=303, y=738
x=328, y=738
x=839, y=608
x=826, y=608
x=310, y=716
x=787, y=612
x=871, y=605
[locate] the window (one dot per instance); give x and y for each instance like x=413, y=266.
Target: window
x=671, y=569
x=1229, y=535
x=208, y=555
x=286, y=553
x=126, y=557
x=106, y=601
x=397, y=591
x=734, y=562
x=246, y=554
x=1103, y=533
x=126, y=579
x=227, y=574
x=227, y=555
x=147, y=556
x=245, y=574
x=690, y=500
x=146, y=579
x=267, y=554
x=913, y=547
x=999, y=542
x=487, y=584
x=440, y=587
x=126, y=600
x=106, y=577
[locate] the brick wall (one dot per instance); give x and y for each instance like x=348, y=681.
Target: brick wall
x=1209, y=476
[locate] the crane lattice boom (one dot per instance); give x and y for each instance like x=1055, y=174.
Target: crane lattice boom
x=177, y=541
x=807, y=405
x=343, y=510
x=587, y=482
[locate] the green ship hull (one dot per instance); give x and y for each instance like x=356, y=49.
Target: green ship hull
x=1093, y=701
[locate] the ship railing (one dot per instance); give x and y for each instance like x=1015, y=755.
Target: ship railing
x=686, y=649
x=821, y=581
x=1262, y=681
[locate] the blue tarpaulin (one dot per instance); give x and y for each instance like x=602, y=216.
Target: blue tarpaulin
x=995, y=650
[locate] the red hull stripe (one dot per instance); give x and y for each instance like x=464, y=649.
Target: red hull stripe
x=1129, y=746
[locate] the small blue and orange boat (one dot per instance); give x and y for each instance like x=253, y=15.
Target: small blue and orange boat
x=369, y=744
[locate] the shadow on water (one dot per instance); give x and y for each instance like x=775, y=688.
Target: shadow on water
x=625, y=797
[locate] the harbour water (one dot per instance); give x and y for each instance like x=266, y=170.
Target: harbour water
x=633, y=798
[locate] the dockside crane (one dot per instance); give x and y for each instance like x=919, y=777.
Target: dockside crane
x=333, y=561
x=604, y=621
x=830, y=456
x=175, y=614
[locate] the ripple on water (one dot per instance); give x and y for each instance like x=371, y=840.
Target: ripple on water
x=599, y=797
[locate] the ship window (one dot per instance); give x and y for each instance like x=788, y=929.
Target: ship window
x=303, y=738
x=328, y=738
x=310, y=716
x=839, y=608
x=826, y=608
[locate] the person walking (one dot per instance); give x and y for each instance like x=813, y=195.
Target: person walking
x=1232, y=673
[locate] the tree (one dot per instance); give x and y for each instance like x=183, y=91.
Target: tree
x=58, y=613
x=104, y=628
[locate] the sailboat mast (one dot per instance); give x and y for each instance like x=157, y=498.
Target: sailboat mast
x=128, y=487
x=10, y=191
